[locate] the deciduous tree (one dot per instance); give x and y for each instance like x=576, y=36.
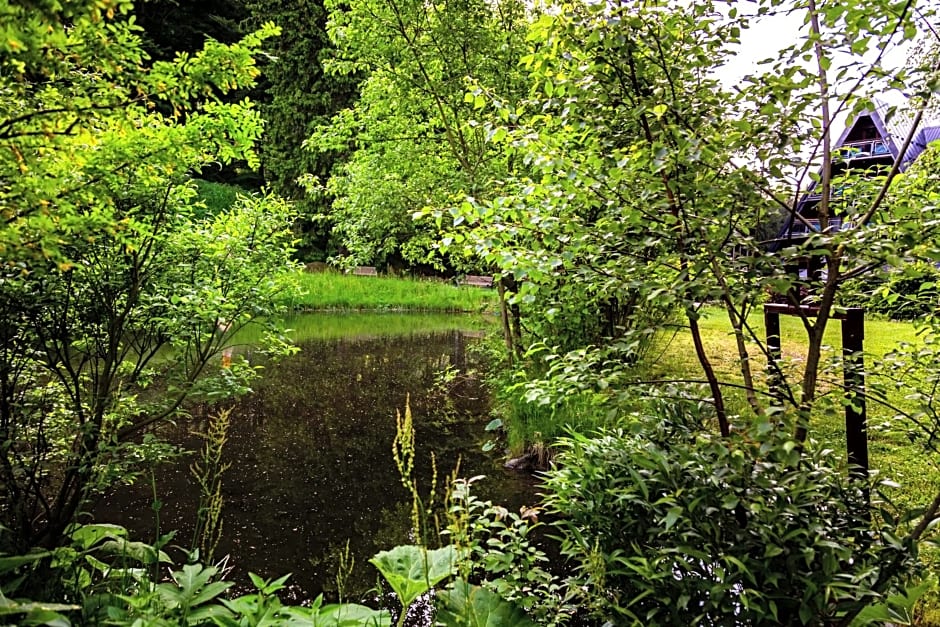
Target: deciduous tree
x=415, y=136
x=114, y=298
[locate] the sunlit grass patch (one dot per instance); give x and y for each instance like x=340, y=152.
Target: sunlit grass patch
x=334, y=291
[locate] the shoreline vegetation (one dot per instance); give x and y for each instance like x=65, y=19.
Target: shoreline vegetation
x=333, y=291
x=903, y=473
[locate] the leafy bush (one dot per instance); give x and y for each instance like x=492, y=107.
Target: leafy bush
x=673, y=525
x=217, y=197
x=906, y=293
x=102, y=577
x=106, y=578
x=501, y=550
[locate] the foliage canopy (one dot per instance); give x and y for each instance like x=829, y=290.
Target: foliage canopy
x=107, y=279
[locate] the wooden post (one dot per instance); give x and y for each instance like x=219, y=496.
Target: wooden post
x=504, y=317
x=856, y=427
x=853, y=337
x=774, y=353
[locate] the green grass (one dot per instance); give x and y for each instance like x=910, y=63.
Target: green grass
x=891, y=451
x=326, y=291
x=892, y=454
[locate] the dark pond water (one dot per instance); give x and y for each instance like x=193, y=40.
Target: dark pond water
x=311, y=451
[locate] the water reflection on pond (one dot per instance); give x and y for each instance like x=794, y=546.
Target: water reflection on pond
x=311, y=451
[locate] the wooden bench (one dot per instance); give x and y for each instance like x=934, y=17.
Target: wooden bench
x=365, y=271
x=474, y=280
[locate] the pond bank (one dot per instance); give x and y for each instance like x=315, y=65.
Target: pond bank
x=311, y=452
x=332, y=291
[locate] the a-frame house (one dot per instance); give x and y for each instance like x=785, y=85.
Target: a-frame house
x=866, y=147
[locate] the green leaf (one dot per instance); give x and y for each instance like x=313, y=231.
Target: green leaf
x=139, y=551
x=208, y=613
x=673, y=516
x=211, y=591
x=12, y=562
x=86, y=536
x=44, y=612
x=45, y=617
x=466, y=605
x=193, y=577
x=413, y=570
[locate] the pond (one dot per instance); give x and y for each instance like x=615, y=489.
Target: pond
x=310, y=450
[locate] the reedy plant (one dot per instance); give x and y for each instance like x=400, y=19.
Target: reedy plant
x=208, y=471
x=415, y=570
x=423, y=512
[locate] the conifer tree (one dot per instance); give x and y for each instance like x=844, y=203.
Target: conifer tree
x=299, y=96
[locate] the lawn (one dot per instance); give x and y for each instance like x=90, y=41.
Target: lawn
x=325, y=291
x=892, y=453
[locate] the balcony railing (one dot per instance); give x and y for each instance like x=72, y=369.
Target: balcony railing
x=835, y=224
x=862, y=150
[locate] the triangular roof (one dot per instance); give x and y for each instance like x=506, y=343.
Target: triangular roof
x=877, y=117
x=892, y=128
x=924, y=136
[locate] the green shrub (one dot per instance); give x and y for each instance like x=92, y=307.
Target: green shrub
x=906, y=293
x=217, y=197
x=673, y=525
x=502, y=551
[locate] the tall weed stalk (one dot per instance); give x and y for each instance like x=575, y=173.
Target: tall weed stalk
x=423, y=517
x=208, y=471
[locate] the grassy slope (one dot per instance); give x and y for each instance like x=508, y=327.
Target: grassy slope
x=334, y=291
x=891, y=452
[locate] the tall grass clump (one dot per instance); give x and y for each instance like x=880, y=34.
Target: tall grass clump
x=534, y=427
x=528, y=423
x=552, y=392
x=335, y=291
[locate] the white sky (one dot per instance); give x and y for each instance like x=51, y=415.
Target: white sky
x=768, y=35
